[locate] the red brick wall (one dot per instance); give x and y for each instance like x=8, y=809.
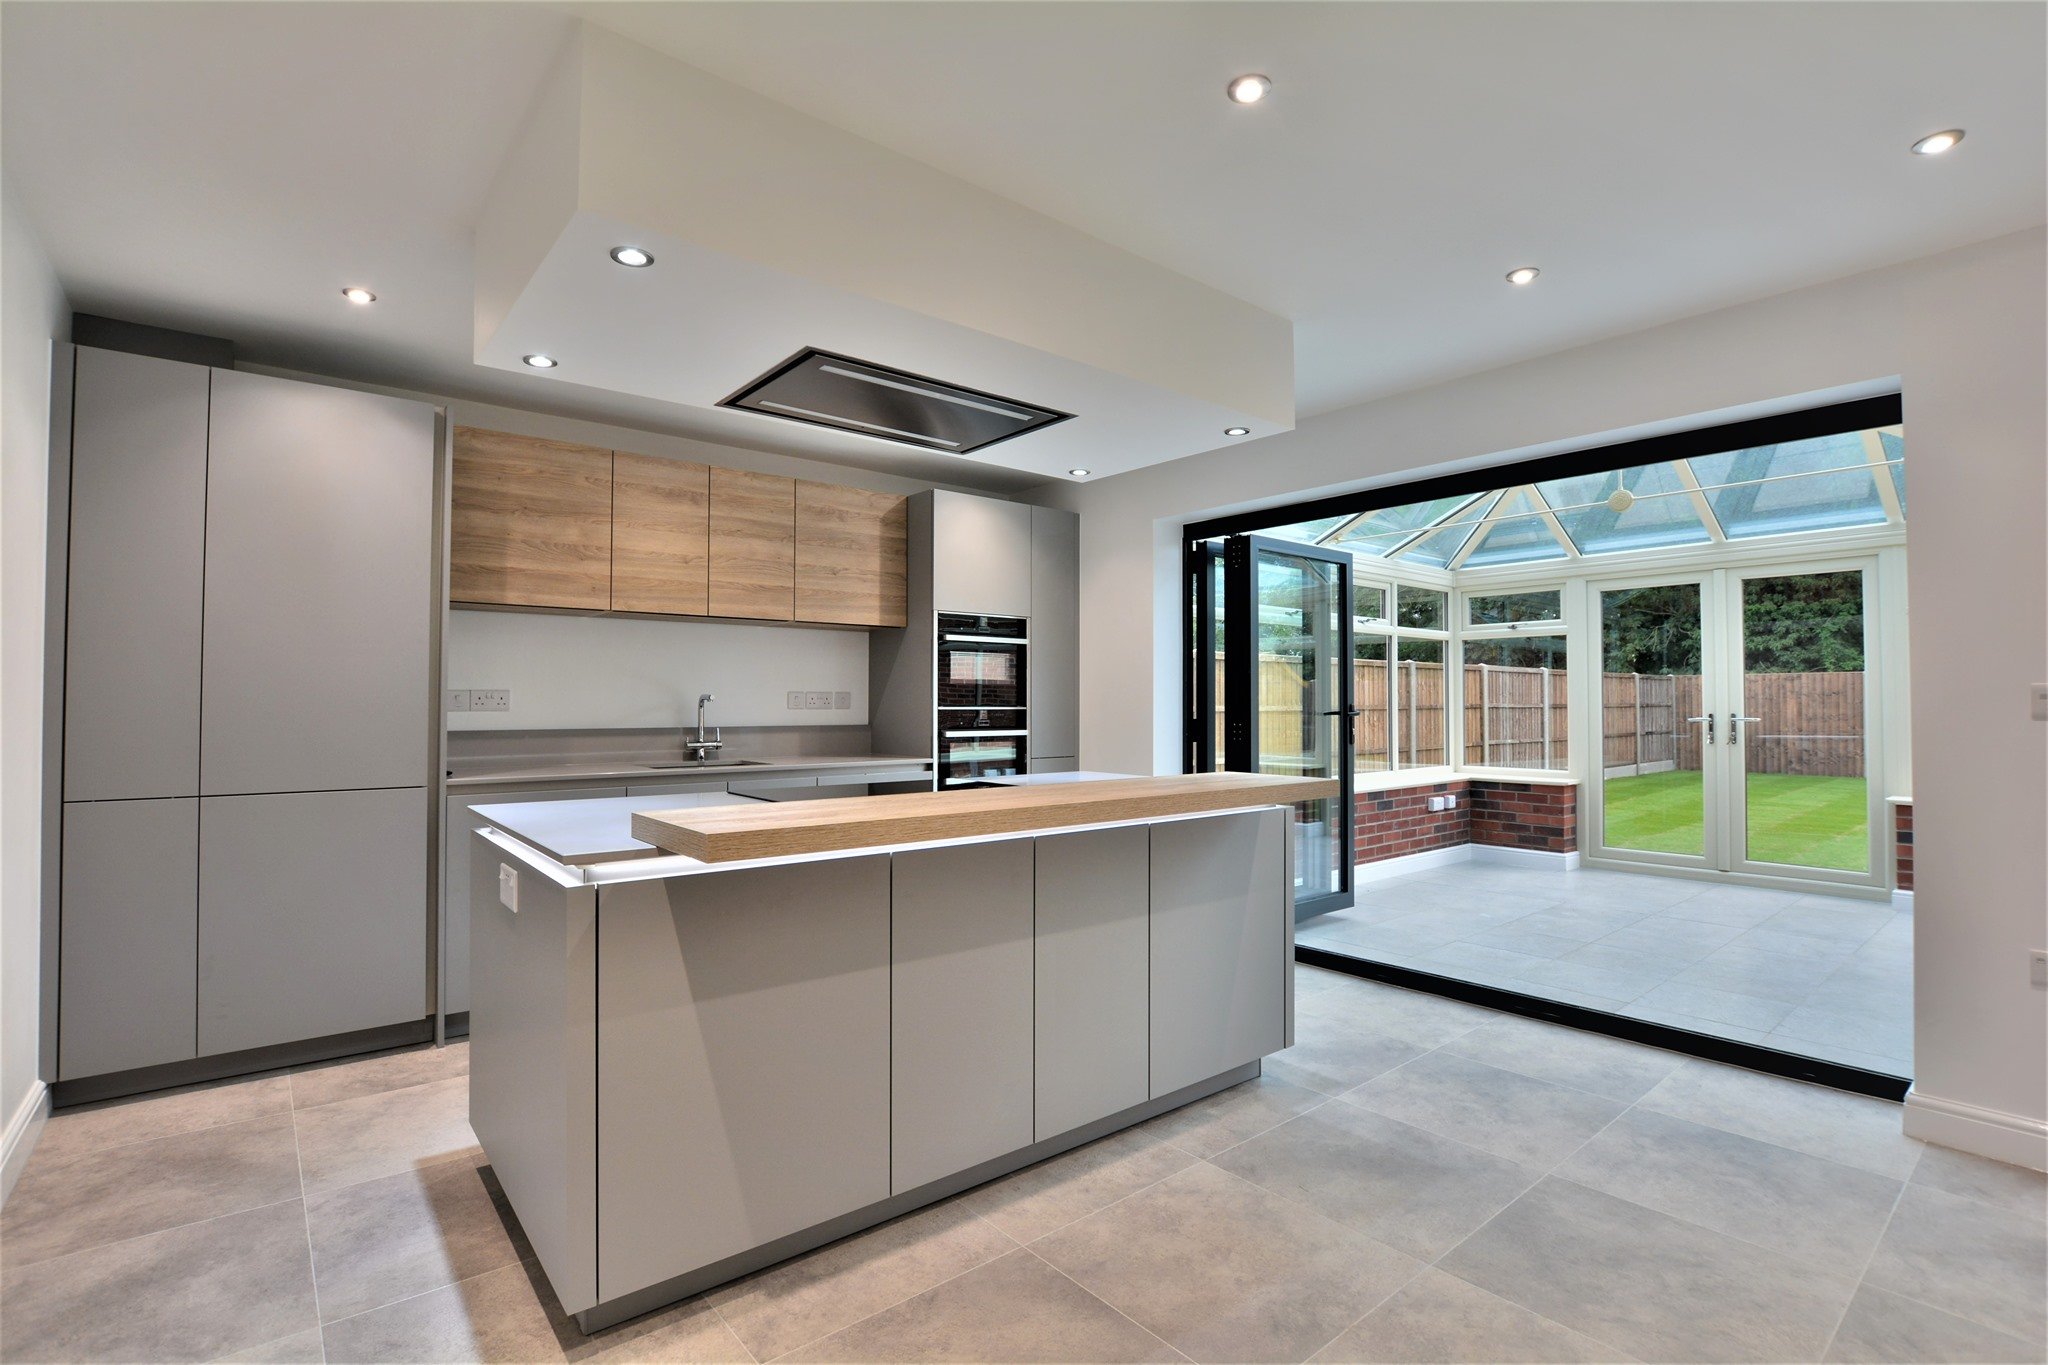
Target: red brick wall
x=1902, y=846
x=1525, y=815
x=1398, y=821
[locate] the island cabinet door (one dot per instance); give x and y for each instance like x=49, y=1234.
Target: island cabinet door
x=960, y=962
x=1092, y=947
x=1221, y=909
x=743, y=1061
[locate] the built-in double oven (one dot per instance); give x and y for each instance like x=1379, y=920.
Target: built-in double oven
x=983, y=730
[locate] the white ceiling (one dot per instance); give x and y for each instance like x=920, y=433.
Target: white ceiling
x=229, y=167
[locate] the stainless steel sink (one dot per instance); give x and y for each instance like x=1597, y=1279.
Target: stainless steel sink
x=695, y=764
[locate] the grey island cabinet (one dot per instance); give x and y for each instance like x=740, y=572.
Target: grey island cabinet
x=683, y=1071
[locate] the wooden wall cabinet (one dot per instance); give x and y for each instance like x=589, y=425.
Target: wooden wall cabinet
x=531, y=523
x=661, y=535
x=753, y=545
x=850, y=555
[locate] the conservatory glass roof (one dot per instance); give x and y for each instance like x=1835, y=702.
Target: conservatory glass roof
x=1826, y=483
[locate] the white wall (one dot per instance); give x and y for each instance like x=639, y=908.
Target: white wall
x=600, y=672
x=1962, y=335
x=32, y=313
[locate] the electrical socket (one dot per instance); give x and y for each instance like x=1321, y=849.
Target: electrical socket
x=796, y=701
x=490, y=699
x=817, y=701
x=842, y=701
x=2038, y=966
x=457, y=699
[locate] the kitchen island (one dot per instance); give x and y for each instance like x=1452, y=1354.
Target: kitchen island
x=684, y=1069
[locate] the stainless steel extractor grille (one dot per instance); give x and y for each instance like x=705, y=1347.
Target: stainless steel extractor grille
x=838, y=391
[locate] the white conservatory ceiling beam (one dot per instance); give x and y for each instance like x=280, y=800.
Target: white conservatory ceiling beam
x=1702, y=505
x=1880, y=470
x=1557, y=531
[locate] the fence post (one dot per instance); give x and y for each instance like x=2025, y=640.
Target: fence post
x=1546, y=715
x=1638, y=679
x=1414, y=727
x=1485, y=720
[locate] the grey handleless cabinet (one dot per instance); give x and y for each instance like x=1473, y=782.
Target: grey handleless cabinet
x=311, y=915
x=137, y=556
x=1091, y=991
x=319, y=588
x=981, y=555
x=960, y=1029
x=1055, y=674
x=130, y=883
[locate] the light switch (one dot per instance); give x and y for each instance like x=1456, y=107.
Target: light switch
x=508, y=887
x=842, y=701
x=457, y=699
x=796, y=701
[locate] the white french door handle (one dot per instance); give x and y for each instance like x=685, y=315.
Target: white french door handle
x=1735, y=726
x=1709, y=719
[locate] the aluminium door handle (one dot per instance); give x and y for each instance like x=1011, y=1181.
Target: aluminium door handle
x=1349, y=712
x=1735, y=726
x=1709, y=719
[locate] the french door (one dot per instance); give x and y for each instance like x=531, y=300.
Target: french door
x=1737, y=722
x=1272, y=688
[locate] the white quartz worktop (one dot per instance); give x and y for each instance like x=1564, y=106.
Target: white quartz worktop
x=599, y=830
x=1053, y=779
x=500, y=773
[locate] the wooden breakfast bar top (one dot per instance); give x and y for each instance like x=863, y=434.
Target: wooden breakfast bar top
x=737, y=833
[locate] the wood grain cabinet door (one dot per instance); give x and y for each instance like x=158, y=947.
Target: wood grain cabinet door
x=531, y=522
x=753, y=545
x=850, y=555
x=660, y=535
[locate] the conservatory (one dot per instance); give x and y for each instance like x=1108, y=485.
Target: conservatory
x=1625, y=730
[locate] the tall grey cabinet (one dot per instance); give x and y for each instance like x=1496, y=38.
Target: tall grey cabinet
x=249, y=604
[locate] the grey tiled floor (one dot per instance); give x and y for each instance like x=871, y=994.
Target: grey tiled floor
x=1821, y=976
x=1415, y=1180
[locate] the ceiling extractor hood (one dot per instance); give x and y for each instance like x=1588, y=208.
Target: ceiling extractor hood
x=837, y=391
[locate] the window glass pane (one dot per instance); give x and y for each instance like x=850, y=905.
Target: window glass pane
x=1420, y=608
x=1368, y=602
x=1516, y=692
x=1516, y=535
x=1419, y=704
x=1640, y=508
x=1507, y=608
x=1813, y=485
x=1441, y=546
x=1894, y=444
x=1379, y=533
x=1307, y=532
x=1370, y=749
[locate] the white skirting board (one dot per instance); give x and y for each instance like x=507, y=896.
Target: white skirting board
x=1408, y=864
x=2010, y=1138
x=24, y=1126
x=1902, y=900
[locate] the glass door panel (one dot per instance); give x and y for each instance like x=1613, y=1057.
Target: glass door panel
x=1656, y=766
x=1801, y=735
x=1287, y=694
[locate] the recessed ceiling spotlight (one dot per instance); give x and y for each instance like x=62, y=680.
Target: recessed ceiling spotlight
x=631, y=255
x=1934, y=144
x=1523, y=274
x=355, y=293
x=1237, y=431
x=540, y=362
x=1249, y=89
x=1079, y=473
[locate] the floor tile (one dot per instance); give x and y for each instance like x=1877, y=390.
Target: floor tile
x=1716, y=1006
x=1691, y=1023
x=1054, y=1193
x=1852, y=1129
x=1764, y=973
x=1658, y=1287
x=191, y=1293
x=1413, y=1017
x=112, y=1193
x=497, y=1316
x=1440, y=1318
x=382, y=1134
x=1838, y=921
x=1968, y=1258
x=1015, y=1308
x=1228, y=1117
x=1331, y=1056
x=1504, y=1112
x=1803, y=1206
x=387, y=1239
x=2014, y=1188
x=1883, y=1034
x=1225, y=1271
x=789, y=1305
x=1886, y=1328
x=1416, y=1191
x=354, y=1077
x=1667, y=935
x=1584, y=922
x=1563, y=1056
x=301, y=1348
x=164, y=1113
x=689, y=1333
x=1513, y=938
x=1477, y=962
x=1607, y=984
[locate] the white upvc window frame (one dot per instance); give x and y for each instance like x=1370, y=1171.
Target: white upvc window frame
x=1560, y=626
x=1390, y=582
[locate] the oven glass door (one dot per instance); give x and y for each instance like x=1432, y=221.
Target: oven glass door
x=975, y=675
x=969, y=754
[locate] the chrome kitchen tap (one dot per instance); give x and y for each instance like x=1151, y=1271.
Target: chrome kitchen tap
x=703, y=747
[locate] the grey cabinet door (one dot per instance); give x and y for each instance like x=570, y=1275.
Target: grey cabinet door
x=455, y=832
x=742, y=1061
x=981, y=555
x=319, y=588
x=138, y=540
x=1093, y=896
x=312, y=915
x=130, y=933
x=1221, y=932
x=960, y=969
x=1055, y=633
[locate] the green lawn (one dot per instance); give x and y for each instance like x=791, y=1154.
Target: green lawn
x=1802, y=821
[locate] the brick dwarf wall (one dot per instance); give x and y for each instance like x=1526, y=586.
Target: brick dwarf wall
x=1902, y=846
x=1398, y=821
